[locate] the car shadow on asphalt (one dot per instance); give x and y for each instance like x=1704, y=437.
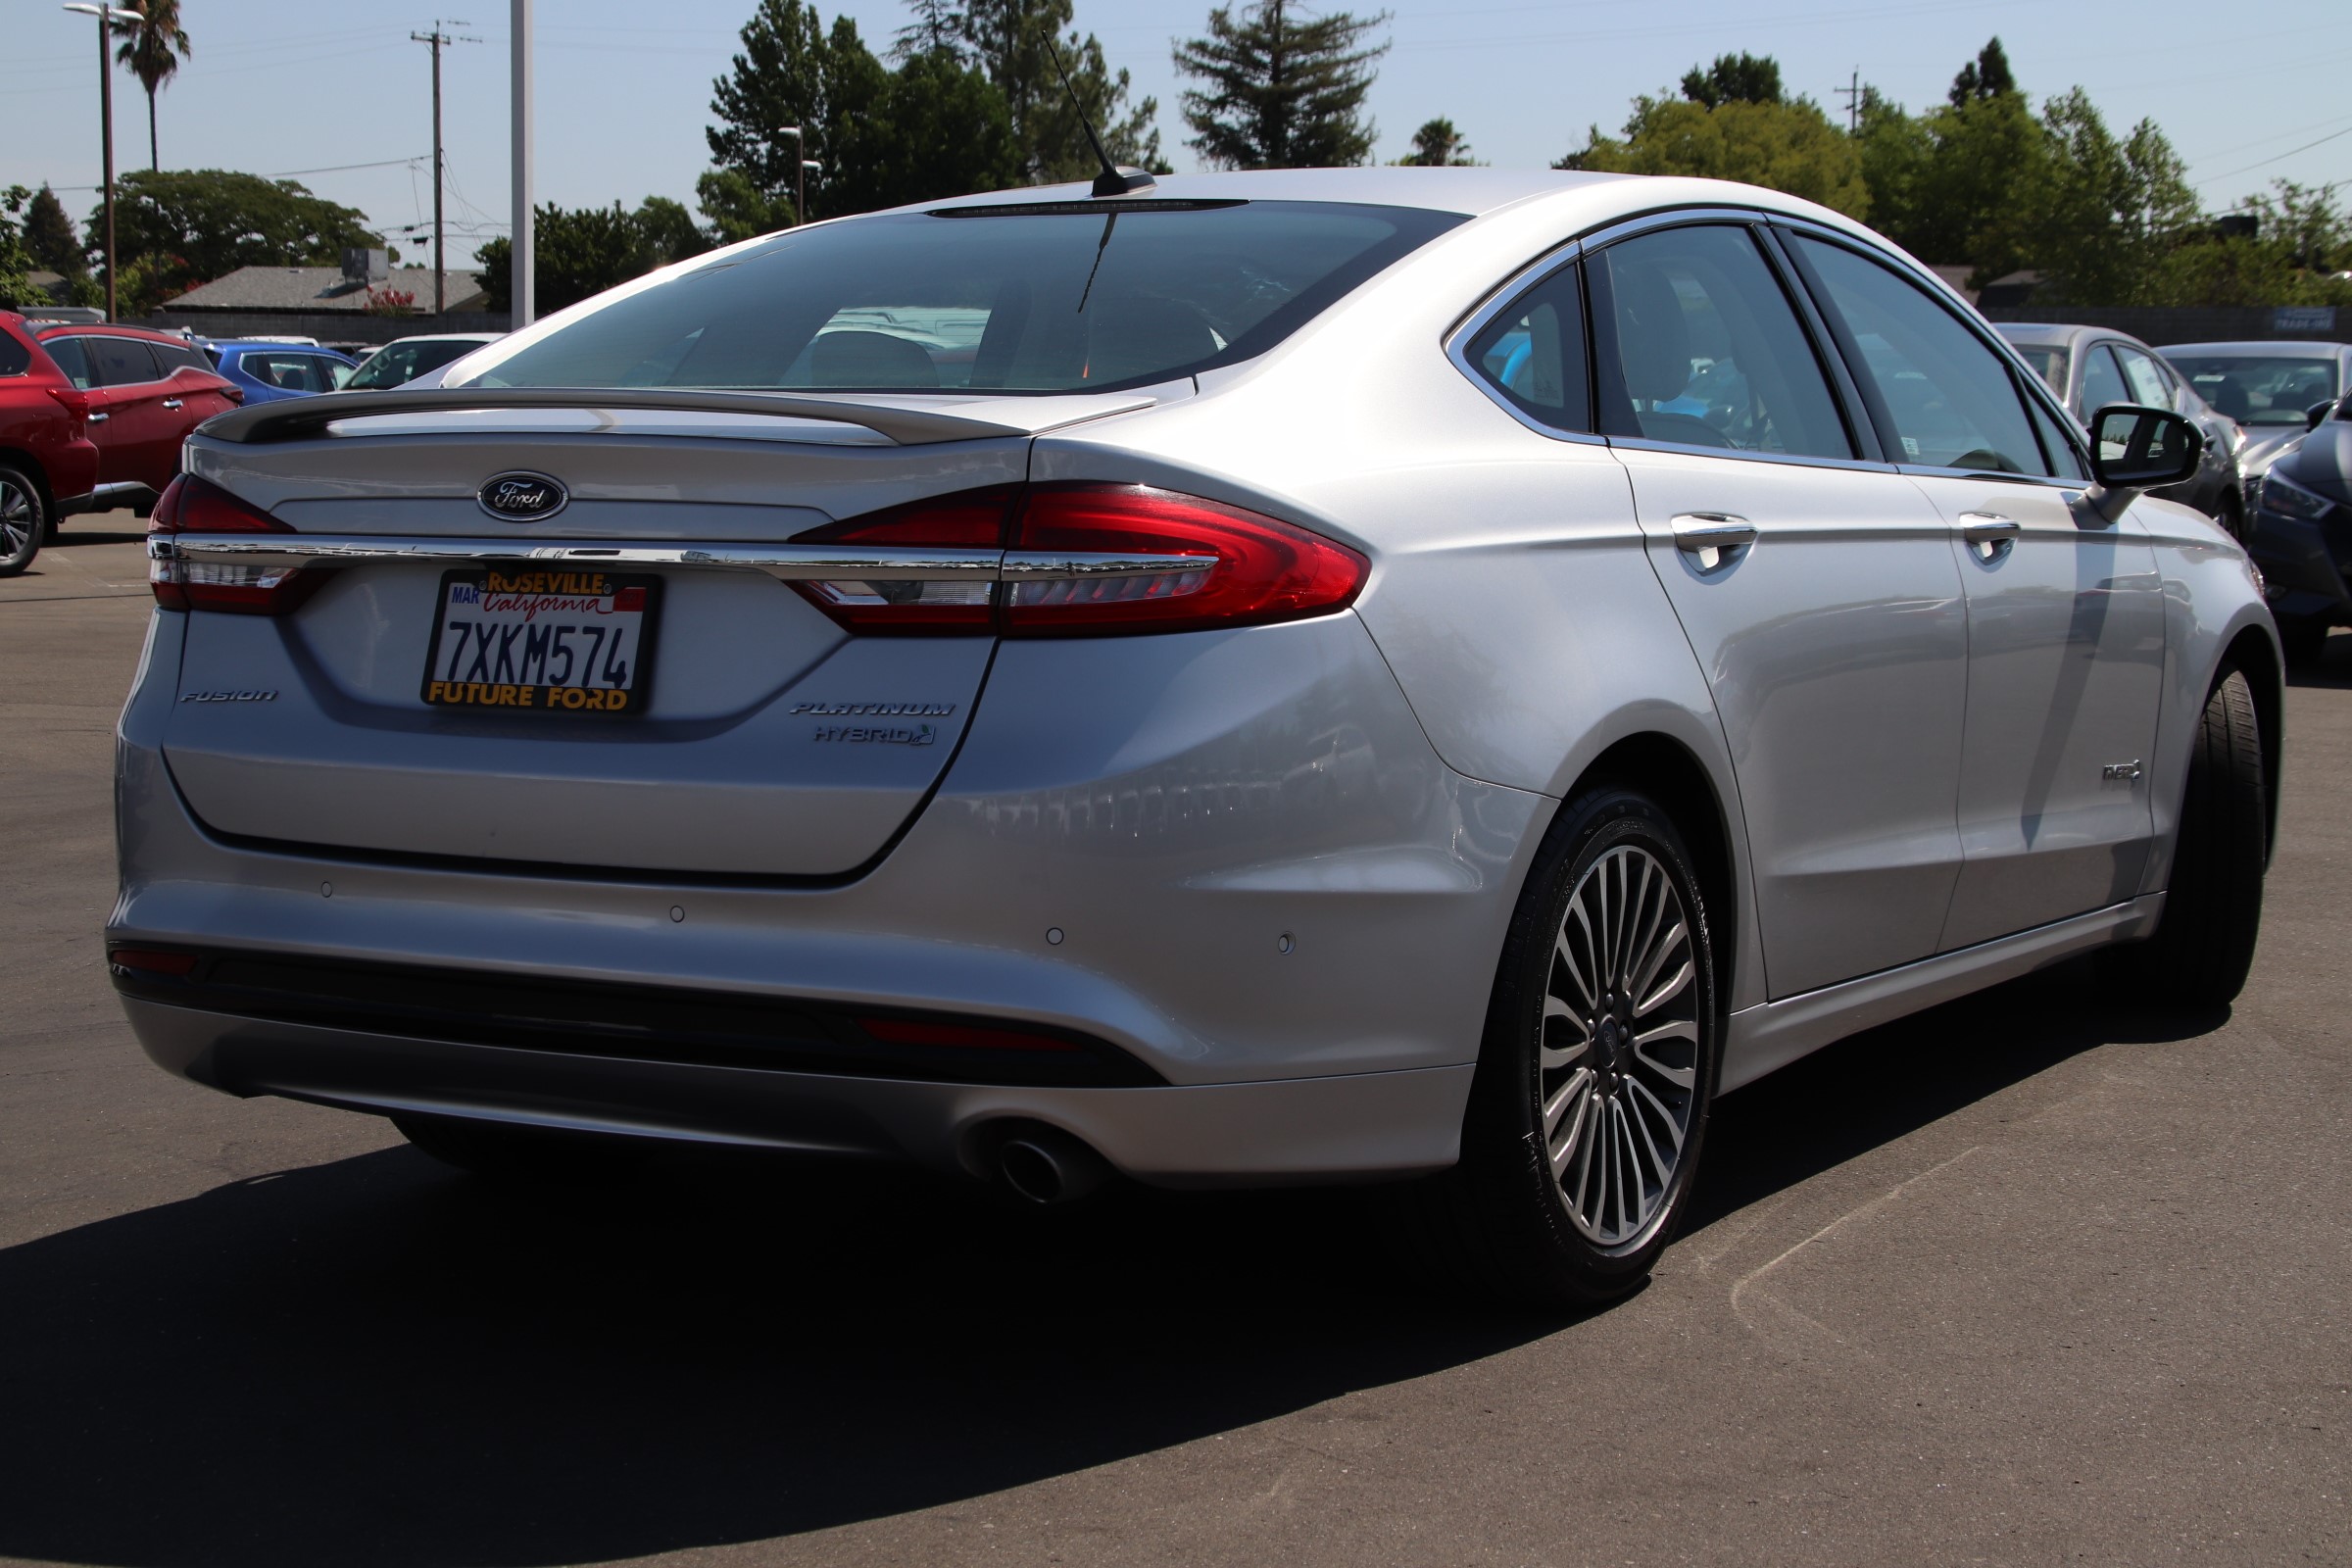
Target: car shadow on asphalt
x=375, y=1361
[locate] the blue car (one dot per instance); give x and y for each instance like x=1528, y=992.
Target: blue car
x=267, y=373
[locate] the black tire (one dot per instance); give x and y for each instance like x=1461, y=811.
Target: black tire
x=2204, y=945
x=1501, y=1219
x=502, y=1152
x=25, y=520
x=2304, y=642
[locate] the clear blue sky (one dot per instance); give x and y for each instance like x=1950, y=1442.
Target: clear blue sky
x=277, y=86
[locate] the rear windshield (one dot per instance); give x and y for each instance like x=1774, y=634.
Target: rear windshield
x=1060, y=299
x=2258, y=389
x=396, y=362
x=2048, y=364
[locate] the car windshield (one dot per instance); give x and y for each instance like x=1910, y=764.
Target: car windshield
x=2258, y=389
x=396, y=362
x=2047, y=363
x=1053, y=297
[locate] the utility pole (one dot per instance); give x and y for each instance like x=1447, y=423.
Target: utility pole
x=1853, y=102
x=521, y=304
x=436, y=39
x=106, y=115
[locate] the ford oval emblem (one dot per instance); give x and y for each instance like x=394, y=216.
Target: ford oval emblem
x=522, y=497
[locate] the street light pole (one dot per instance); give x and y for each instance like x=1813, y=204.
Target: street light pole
x=799, y=196
x=106, y=115
x=521, y=305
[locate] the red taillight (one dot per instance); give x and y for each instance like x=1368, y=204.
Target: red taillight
x=971, y=521
x=1088, y=559
x=1095, y=558
x=189, y=505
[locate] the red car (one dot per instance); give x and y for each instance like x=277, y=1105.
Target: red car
x=92, y=417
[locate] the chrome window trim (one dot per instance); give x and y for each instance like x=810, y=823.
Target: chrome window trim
x=1796, y=459
x=2020, y=374
x=1498, y=300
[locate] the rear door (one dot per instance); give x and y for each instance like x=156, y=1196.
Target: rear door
x=141, y=436
x=753, y=734
x=1817, y=587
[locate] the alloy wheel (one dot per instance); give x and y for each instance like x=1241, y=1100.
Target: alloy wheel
x=20, y=518
x=1617, y=1066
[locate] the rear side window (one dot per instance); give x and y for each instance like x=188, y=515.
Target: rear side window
x=1532, y=353
x=1699, y=346
x=295, y=373
x=2102, y=382
x=122, y=361
x=72, y=359
x=15, y=357
x=1945, y=395
x=178, y=356
x=1059, y=297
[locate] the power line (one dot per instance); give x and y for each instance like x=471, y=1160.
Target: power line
x=2290, y=153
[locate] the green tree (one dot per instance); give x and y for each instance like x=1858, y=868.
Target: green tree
x=935, y=127
x=737, y=209
x=1281, y=91
x=586, y=251
x=2300, y=246
x=49, y=235
x=1963, y=184
x=153, y=46
x=1987, y=77
x=1787, y=146
x=188, y=226
x=1008, y=39
x=15, y=257
x=1435, y=145
x=2113, y=210
x=1735, y=78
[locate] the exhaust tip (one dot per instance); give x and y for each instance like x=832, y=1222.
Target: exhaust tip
x=1046, y=1168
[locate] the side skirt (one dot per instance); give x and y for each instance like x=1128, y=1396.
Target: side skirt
x=1764, y=1039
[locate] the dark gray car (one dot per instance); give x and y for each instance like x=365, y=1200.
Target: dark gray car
x=2090, y=368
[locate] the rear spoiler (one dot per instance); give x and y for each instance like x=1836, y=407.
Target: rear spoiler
x=298, y=419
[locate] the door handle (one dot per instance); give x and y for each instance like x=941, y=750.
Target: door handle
x=1988, y=533
x=1711, y=536
x=170, y=403
x=96, y=418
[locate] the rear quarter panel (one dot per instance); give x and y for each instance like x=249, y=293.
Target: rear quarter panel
x=1511, y=591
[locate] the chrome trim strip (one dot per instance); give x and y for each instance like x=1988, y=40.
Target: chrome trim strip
x=1022, y=566
x=784, y=563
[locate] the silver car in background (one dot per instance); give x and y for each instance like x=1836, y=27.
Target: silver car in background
x=2269, y=387
x=2090, y=368
x=1278, y=677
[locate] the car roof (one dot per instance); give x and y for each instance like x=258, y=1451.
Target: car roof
x=444, y=337
x=2044, y=334
x=244, y=344
x=2262, y=348
x=1470, y=191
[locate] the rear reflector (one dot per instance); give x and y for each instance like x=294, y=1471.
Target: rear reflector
x=189, y=505
x=924, y=1032
x=1090, y=559
x=152, y=961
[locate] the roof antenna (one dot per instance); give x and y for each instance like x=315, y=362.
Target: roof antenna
x=1113, y=180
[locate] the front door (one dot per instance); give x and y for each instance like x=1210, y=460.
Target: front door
x=1819, y=592
x=2065, y=611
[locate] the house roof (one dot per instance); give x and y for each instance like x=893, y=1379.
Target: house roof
x=320, y=288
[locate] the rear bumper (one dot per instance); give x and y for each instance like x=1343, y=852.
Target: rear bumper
x=1232, y=858
x=1358, y=1125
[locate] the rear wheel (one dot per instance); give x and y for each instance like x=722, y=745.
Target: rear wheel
x=23, y=520
x=505, y=1153
x=1601, y=1056
x=2202, y=950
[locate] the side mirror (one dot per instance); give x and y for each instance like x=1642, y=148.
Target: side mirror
x=2135, y=448
x=2316, y=415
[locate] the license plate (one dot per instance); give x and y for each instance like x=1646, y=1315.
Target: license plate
x=551, y=640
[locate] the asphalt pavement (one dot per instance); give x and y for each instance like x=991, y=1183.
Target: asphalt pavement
x=2032, y=1278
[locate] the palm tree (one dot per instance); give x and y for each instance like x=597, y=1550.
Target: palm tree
x=153, y=48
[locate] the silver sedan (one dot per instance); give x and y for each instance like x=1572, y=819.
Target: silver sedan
x=1275, y=677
